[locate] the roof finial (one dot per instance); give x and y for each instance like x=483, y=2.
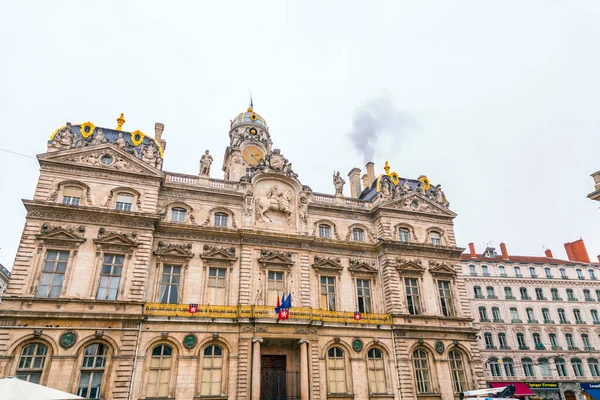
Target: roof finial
x=120, y=122
x=386, y=167
x=251, y=105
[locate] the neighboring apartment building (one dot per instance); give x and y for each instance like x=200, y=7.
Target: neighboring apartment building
x=539, y=320
x=595, y=195
x=134, y=283
x=4, y=277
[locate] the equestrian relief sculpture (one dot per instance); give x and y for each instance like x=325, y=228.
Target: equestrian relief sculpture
x=275, y=201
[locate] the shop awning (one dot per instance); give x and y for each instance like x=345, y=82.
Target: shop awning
x=593, y=389
x=521, y=388
x=595, y=393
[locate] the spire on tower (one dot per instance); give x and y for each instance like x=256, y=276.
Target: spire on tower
x=251, y=105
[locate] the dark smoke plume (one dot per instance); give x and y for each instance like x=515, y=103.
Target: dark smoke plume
x=374, y=118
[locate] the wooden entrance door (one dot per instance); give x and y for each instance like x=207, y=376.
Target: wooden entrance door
x=569, y=395
x=273, y=378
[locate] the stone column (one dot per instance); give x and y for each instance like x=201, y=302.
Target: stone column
x=304, y=369
x=256, y=368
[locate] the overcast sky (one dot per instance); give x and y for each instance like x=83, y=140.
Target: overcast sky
x=496, y=101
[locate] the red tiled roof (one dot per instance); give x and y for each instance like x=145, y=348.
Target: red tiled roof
x=522, y=260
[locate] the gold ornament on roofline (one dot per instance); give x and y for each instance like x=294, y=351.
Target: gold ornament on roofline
x=56, y=131
x=120, y=122
x=386, y=167
x=425, y=181
x=137, y=137
x=395, y=178
x=87, y=129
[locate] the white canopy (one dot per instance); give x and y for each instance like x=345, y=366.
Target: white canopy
x=17, y=389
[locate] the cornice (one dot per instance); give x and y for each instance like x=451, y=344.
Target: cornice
x=427, y=250
x=89, y=170
x=200, y=192
x=532, y=281
x=86, y=214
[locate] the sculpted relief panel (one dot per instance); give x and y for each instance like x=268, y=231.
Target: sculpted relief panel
x=274, y=204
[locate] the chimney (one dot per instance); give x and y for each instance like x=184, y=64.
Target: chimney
x=570, y=252
x=472, y=250
x=598, y=257
x=365, y=181
x=504, y=251
x=158, y=131
x=354, y=176
x=370, y=172
x=548, y=253
x=579, y=251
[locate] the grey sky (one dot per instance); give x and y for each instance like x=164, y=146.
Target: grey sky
x=503, y=96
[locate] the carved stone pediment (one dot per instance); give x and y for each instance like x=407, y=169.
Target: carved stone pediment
x=115, y=241
x=410, y=267
x=362, y=267
x=219, y=255
x=61, y=236
x=441, y=269
x=274, y=162
x=414, y=201
x=327, y=265
x=174, y=250
x=90, y=157
x=275, y=258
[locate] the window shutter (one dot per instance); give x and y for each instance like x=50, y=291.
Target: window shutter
x=72, y=192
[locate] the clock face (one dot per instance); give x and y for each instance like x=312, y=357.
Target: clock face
x=252, y=155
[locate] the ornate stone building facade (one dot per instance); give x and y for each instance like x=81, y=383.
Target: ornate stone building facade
x=539, y=319
x=4, y=277
x=134, y=283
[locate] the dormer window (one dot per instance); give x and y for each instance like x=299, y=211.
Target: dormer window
x=72, y=196
x=324, y=231
x=221, y=220
x=178, y=214
x=436, y=238
x=358, y=235
x=403, y=235
x=124, y=202
x=490, y=253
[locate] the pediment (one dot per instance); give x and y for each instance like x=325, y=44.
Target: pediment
x=327, y=264
x=357, y=266
x=424, y=204
x=60, y=234
x=116, y=239
x=219, y=254
x=441, y=269
x=275, y=257
x=89, y=156
x=410, y=267
x=166, y=250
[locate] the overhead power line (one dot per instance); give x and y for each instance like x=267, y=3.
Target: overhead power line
x=19, y=154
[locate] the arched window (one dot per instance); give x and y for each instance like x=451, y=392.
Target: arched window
x=524, y=294
x=72, y=195
x=561, y=368
x=563, y=273
x=537, y=341
x=587, y=296
x=159, y=374
x=595, y=318
x=483, y=317
x=528, y=367
x=548, y=272
x=422, y=374
x=594, y=367
x=562, y=316
x=212, y=367
x=502, y=342
x=358, y=235
x=521, y=341
x=336, y=370
x=592, y=274
x=31, y=362
x=496, y=314
x=517, y=270
x=376, y=372
x=577, y=315
x=577, y=366
x=178, y=214
x=124, y=202
x=579, y=274
x=489, y=341
x=570, y=295
x=92, y=371
x=553, y=341
x=436, y=238
x=546, y=316
x=554, y=293
x=545, y=367
x=514, y=315
x=532, y=272
x=221, y=219
x=403, y=235
x=494, y=367
x=509, y=367
x=508, y=294
x=324, y=231
x=457, y=369
x=491, y=294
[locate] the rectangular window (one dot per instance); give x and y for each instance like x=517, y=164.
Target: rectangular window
x=216, y=286
x=592, y=274
x=124, y=202
x=403, y=235
x=496, y=314
x=539, y=294
x=53, y=273
x=328, y=293
x=72, y=196
x=363, y=293
x=413, y=300
x=110, y=277
x=586, y=341
x=275, y=286
x=548, y=272
x=502, y=340
x=508, y=293
x=553, y=340
x=472, y=270
x=477, y=292
x=324, y=231
x=485, y=270
x=169, y=286
x=446, y=300
x=501, y=270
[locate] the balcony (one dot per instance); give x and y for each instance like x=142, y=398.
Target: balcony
x=492, y=296
x=534, y=275
x=548, y=321
x=519, y=275
x=596, y=322
x=581, y=278
x=235, y=312
x=573, y=299
x=542, y=298
x=564, y=322
x=589, y=299
x=574, y=348
x=479, y=296
x=504, y=347
x=525, y=298
x=490, y=347
x=556, y=348
x=510, y=297
x=540, y=347
x=533, y=321
x=580, y=322
x=516, y=321
x=486, y=274
x=589, y=348
x=502, y=275
x=473, y=273
x=550, y=276
x=557, y=299
x=498, y=320
x=484, y=320
x=523, y=347
x=564, y=277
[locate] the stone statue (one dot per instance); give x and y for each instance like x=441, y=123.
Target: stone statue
x=440, y=196
x=338, y=182
x=205, y=162
x=64, y=138
x=121, y=141
x=405, y=187
x=149, y=154
x=421, y=189
x=303, y=208
x=274, y=201
x=385, y=188
x=248, y=200
x=99, y=137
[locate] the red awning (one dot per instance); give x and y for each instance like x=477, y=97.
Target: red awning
x=521, y=388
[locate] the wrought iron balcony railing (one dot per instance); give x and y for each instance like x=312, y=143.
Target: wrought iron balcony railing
x=298, y=313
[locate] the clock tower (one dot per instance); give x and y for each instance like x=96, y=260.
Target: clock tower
x=249, y=142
